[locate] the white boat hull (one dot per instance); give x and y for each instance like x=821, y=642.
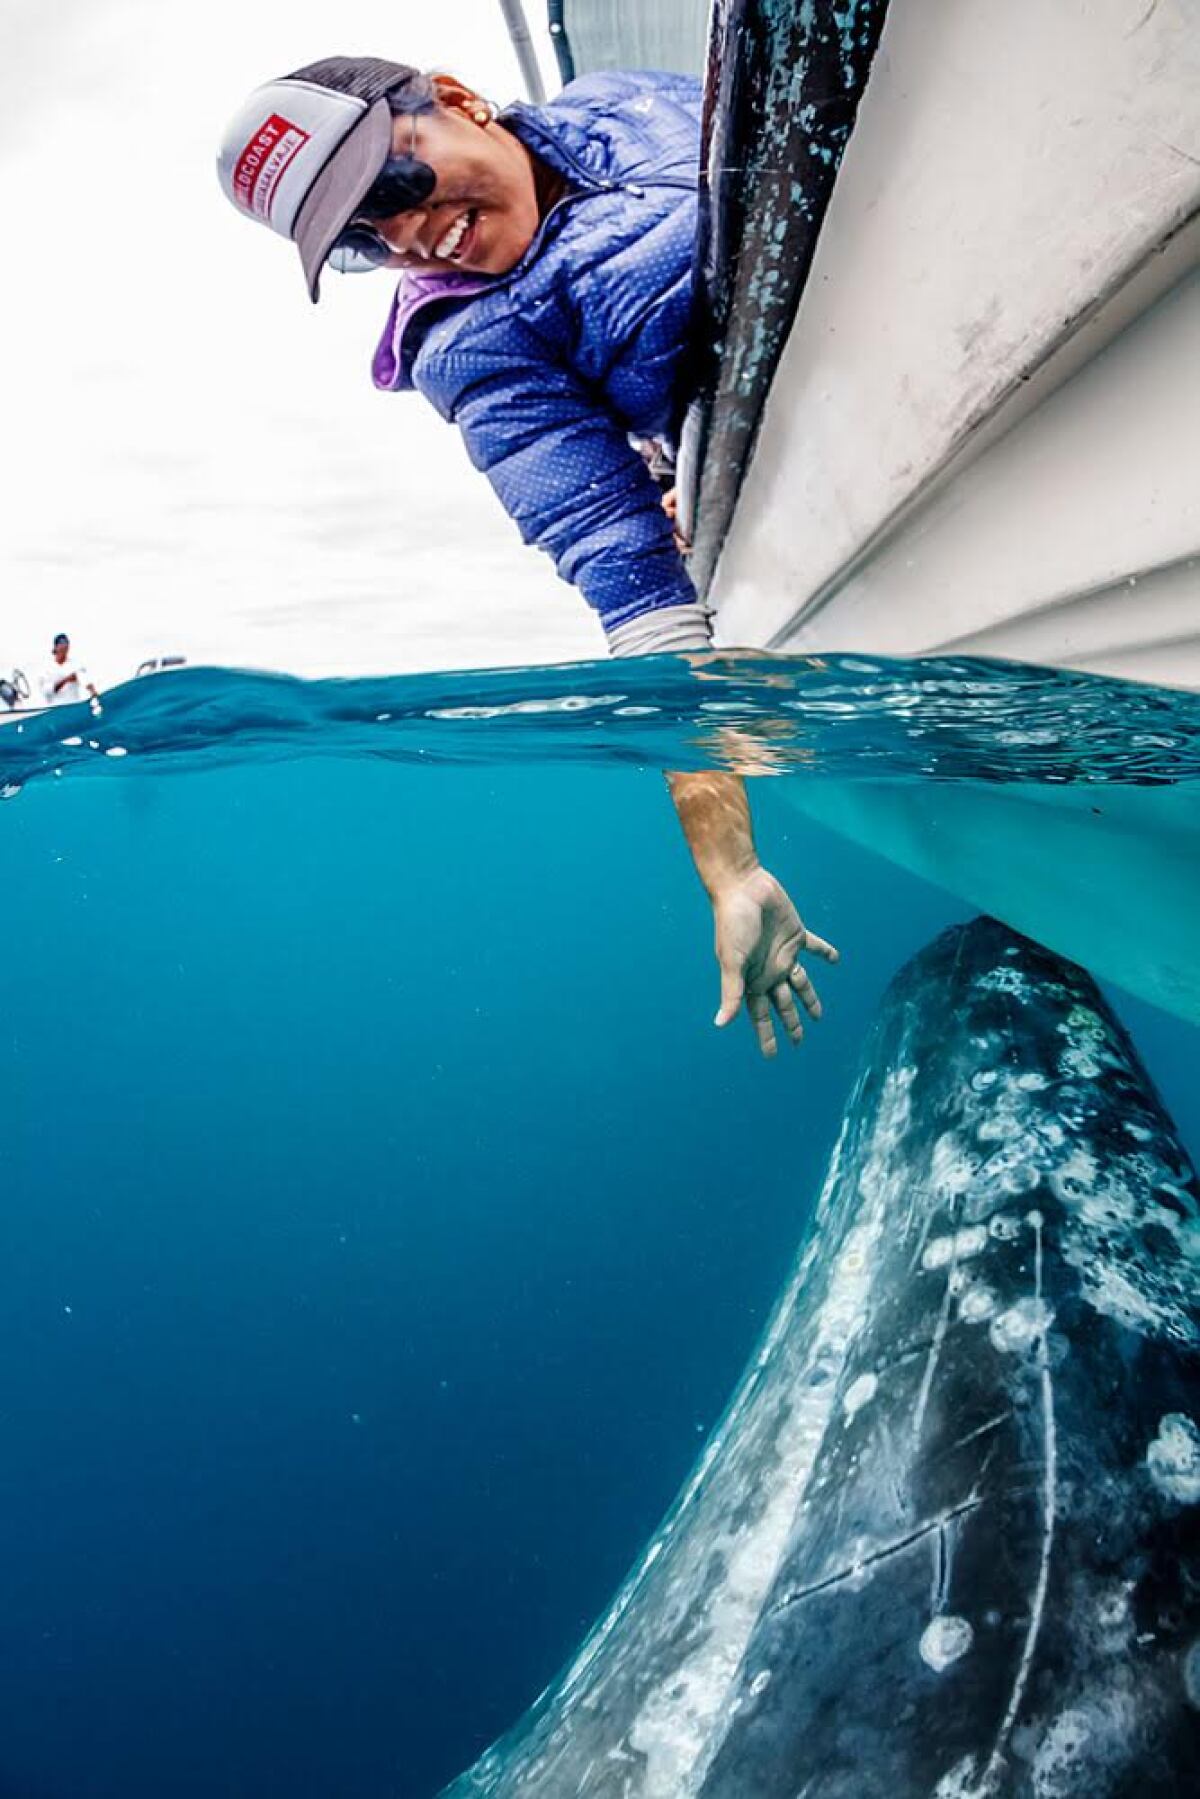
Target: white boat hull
x=984, y=430
x=1106, y=875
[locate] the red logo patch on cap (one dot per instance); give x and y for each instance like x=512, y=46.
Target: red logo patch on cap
x=260, y=167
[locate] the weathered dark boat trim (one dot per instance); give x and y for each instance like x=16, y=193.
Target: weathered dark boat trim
x=783, y=87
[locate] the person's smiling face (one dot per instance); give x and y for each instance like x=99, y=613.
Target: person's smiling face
x=483, y=213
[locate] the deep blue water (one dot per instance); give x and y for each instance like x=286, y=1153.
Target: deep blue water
x=385, y=1225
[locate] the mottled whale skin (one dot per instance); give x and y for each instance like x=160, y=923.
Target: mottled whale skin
x=946, y=1541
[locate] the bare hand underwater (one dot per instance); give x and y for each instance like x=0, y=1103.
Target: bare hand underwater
x=759, y=933
x=544, y=257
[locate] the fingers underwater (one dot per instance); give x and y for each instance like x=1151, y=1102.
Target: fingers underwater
x=817, y=946
x=785, y=1005
x=802, y=986
x=732, y=989
x=760, y=1013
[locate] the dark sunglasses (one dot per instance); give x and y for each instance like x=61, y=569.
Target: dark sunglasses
x=404, y=182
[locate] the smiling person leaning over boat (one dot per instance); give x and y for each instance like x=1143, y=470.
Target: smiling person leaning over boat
x=545, y=260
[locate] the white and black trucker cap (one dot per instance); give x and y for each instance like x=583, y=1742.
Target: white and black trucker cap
x=303, y=150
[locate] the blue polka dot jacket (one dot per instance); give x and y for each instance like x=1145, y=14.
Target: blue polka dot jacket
x=549, y=370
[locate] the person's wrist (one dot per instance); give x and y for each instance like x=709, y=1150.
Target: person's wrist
x=731, y=877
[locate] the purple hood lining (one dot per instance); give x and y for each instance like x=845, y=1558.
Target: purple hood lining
x=415, y=290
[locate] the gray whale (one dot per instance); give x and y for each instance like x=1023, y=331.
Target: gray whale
x=946, y=1540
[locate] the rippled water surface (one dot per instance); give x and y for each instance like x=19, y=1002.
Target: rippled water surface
x=835, y=716
x=385, y=1224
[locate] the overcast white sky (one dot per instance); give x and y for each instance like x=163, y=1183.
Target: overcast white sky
x=195, y=459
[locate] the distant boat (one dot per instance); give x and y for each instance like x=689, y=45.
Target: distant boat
x=14, y=692
x=15, y=696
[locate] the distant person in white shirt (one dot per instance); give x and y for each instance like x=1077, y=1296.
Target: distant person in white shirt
x=66, y=680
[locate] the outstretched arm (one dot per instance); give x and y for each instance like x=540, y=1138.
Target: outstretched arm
x=566, y=474
x=759, y=934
